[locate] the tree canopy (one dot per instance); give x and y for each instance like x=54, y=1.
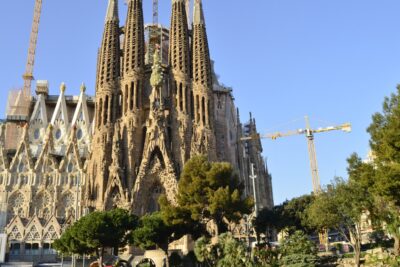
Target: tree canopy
x=97, y=231
x=288, y=217
x=340, y=207
x=207, y=191
x=385, y=144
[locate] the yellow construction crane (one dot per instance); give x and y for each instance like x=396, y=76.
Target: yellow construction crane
x=309, y=133
x=28, y=75
x=19, y=100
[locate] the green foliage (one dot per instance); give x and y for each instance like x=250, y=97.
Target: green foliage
x=206, y=191
x=289, y=217
x=205, y=252
x=96, y=231
x=340, y=207
x=153, y=231
x=298, y=243
x=232, y=251
x=266, y=257
x=385, y=179
x=226, y=252
x=298, y=251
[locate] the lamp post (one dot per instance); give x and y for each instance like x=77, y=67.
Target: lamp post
x=253, y=178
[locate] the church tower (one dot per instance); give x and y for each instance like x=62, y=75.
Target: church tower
x=106, y=107
x=179, y=61
x=203, y=140
x=132, y=86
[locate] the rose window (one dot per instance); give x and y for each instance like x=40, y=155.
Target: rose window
x=18, y=200
x=68, y=200
x=43, y=200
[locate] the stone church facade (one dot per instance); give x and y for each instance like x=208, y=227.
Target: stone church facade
x=157, y=103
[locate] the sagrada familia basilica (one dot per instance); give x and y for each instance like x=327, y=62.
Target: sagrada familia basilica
x=158, y=102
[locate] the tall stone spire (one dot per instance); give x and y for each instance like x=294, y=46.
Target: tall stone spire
x=107, y=106
x=179, y=53
x=109, y=55
x=112, y=10
x=133, y=62
x=203, y=140
x=133, y=90
x=179, y=61
x=201, y=56
x=134, y=39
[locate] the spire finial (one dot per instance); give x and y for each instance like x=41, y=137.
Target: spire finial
x=63, y=87
x=112, y=10
x=198, y=14
x=83, y=87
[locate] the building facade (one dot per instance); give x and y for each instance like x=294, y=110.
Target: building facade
x=127, y=144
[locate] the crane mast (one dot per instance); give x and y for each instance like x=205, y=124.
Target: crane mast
x=313, y=158
x=155, y=12
x=19, y=101
x=28, y=75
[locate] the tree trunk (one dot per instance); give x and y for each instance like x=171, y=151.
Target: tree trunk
x=101, y=257
x=355, y=238
x=357, y=254
x=397, y=245
x=167, y=258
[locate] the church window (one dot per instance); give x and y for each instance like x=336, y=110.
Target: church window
x=70, y=167
x=46, y=214
x=68, y=200
x=79, y=134
x=21, y=166
x=58, y=134
x=18, y=200
x=36, y=134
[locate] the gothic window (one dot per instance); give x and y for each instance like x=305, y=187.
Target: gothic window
x=105, y=115
x=46, y=214
x=126, y=99
x=33, y=234
x=70, y=166
x=132, y=96
x=58, y=134
x=21, y=166
x=15, y=234
x=79, y=134
x=17, y=200
x=180, y=97
x=36, y=134
x=43, y=200
x=68, y=200
x=203, y=110
x=51, y=234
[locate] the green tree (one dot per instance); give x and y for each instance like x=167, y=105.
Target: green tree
x=290, y=216
x=295, y=216
x=340, y=207
x=298, y=251
x=207, y=192
x=97, y=231
x=226, y=252
x=152, y=231
x=385, y=144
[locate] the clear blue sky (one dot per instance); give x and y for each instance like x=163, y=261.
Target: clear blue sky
x=334, y=60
